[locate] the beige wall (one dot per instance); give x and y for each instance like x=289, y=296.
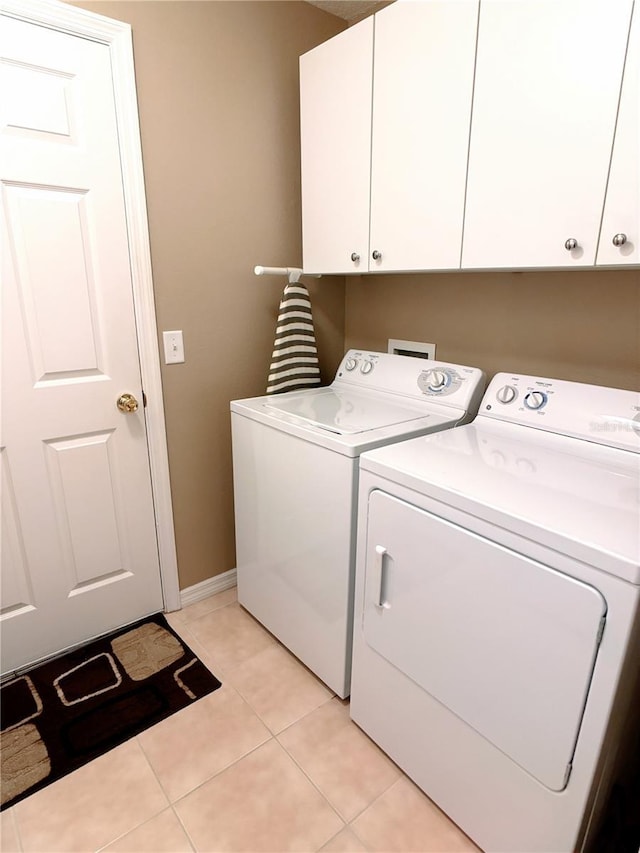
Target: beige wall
x=583, y=326
x=218, y=102
x=218, y=98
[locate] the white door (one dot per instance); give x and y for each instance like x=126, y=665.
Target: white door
x=335, y=136
x=79, y=550
x=547, y=84
x=422, y=87
x=620, y=232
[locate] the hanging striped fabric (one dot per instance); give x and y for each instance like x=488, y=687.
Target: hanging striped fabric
x=294, y=361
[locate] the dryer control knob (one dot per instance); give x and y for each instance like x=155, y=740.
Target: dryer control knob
x=367, y=367
x=437, y=380
x=507, y=394
x=498, y=459
x=535, y=399
x=351, y=363
x=526, y=466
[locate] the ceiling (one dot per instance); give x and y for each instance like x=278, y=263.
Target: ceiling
x=350, y=10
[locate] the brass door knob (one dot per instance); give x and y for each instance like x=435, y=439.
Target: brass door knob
x=127, y=403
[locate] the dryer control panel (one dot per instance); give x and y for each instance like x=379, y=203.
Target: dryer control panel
x=609, y=416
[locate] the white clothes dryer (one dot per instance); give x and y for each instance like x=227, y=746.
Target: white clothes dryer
x=497, y=608
x=295, y=471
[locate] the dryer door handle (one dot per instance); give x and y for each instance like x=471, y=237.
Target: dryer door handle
x=381, y=578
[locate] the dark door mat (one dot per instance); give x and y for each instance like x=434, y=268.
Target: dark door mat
x=68, y=711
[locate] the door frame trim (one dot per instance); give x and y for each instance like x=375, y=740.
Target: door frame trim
x=117, y=36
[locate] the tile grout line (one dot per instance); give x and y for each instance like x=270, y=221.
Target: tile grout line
x=16, y=828
x=236, y=666
x=184, y=625
x=348, y=824
x=184, y=829
x=151, y=817
x=315, y=786
x=219, y=772
x=276, y=736
x=311, y=781
x=172, y=802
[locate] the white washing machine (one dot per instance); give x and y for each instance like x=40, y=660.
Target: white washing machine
x=295, y=471
x=497, y=629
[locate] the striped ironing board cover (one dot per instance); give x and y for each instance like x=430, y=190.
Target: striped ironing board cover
x=294, y=361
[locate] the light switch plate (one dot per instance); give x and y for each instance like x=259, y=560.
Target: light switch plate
x=173, y=347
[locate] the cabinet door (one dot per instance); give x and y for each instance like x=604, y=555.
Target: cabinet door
x=622, y=206
x=548, y=76
x=335, y=131
x=423, y=81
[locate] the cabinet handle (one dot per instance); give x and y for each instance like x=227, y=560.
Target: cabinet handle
x=570, y=244
x=355, y=257
x=376, y=255
x=619, y=239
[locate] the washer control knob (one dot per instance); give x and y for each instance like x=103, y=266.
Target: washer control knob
x=535, y=399
x=437, y=379
x=507, y=394
x=351, y=363
x=367, y=367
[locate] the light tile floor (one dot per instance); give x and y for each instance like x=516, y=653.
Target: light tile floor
x=269, y=762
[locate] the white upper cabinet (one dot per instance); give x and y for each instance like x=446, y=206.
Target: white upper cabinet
x=473, y=134
x=422, y=89
x=547, y=85
x=620, y=232
x=335, y=130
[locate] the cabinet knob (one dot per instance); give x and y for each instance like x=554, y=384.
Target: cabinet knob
x=570, y=244
x=376, y=255
x=619, y=239
x=355, y=257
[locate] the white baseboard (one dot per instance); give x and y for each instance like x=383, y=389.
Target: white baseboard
x=218, y=583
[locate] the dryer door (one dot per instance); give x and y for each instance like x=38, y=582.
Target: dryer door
x=504, y=642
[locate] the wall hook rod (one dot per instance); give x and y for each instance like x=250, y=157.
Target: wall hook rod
x=294, y=273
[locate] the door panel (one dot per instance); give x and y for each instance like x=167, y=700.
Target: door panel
x=88, y=523
x=506, y=643
x=40, y=221
x=37, y=100
x=79, y=550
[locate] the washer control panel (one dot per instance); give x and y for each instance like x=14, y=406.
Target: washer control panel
x=608, y=416
x=413, y=377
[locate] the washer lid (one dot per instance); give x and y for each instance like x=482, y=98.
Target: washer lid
x=344, y=411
